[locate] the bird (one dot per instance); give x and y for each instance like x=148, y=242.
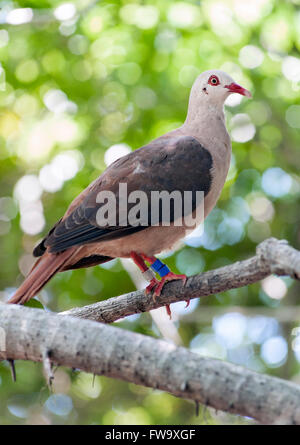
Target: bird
x=194, y=157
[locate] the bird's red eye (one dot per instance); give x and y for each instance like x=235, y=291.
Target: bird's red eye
x=213, y=80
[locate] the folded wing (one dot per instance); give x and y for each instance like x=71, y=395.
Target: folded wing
x=168, y=163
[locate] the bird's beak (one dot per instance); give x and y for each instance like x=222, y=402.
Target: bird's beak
x=235, y=88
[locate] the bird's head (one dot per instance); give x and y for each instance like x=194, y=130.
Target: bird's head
x=215, y=86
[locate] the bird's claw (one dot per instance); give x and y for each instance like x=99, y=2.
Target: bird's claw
x=158, y=286
x=168, y=309
x=169, y=277
x=153, y=283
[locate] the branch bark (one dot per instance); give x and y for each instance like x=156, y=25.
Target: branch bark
x=33, y=334
x=272, y=256
x=61, y=339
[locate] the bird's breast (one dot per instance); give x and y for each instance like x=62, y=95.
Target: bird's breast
x=220, y=166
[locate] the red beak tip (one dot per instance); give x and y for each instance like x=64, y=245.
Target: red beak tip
x=235, y=88
x=247, y=93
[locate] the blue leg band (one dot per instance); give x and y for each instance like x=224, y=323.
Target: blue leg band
x=160, y=268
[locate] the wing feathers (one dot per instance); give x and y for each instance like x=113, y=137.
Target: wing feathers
x=179, y=163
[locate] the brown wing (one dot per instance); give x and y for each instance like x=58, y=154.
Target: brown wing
x=168, y=163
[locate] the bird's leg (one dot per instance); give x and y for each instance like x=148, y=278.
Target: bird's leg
x=147, y=273
x=160, y=268
x=165, y=274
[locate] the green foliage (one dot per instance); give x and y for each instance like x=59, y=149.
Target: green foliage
x=75, y=82
x=34, y=303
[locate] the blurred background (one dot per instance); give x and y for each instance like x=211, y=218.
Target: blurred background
x=85, y=82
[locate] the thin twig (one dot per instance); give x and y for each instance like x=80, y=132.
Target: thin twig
x=47, y=367
x=13, y=370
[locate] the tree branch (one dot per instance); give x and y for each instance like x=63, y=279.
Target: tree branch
x=272, y=256
x=33, y=334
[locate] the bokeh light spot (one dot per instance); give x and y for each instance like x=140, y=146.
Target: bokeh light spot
x=251, y=56
x=242, y=129
x=274, y=351
x=276, y=182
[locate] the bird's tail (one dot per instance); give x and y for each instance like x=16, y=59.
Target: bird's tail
x=43, y=270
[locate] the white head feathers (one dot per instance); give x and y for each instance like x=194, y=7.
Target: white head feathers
x=213, y=87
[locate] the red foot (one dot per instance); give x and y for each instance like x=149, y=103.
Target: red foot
x=187, y=303
x=153, y=283
x=158, y=286
x=169, y=277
